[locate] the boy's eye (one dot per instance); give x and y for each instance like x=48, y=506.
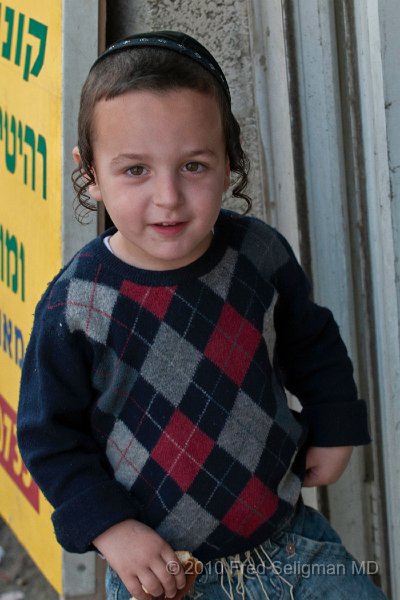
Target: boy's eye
x=137, y=170
x=194, y=167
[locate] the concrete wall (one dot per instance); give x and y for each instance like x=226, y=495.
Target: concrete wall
x=223, y=27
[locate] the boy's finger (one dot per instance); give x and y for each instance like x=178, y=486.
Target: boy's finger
x=174, y=567
x=152, y=584
x=138, y=593
x=166, y=578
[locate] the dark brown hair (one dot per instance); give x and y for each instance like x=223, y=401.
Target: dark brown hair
x=157, y=70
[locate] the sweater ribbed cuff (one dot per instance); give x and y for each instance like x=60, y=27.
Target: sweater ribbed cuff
x=80, y=520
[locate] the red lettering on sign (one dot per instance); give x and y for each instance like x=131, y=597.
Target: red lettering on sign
x=10, y=457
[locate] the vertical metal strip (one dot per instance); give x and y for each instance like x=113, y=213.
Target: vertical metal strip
x=383, y=260
x=80, y=48
x=80, y=40
x=313, y=30
x=360, y=249
x=268, y=50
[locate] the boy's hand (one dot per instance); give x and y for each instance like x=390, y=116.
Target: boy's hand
x=140, y=557
x=325, y=465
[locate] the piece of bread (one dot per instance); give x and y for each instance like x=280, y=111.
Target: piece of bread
x=192, y=568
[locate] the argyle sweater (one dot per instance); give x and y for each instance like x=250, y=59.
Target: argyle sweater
x=159, y=396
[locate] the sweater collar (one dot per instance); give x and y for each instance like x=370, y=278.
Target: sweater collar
x=197, y=268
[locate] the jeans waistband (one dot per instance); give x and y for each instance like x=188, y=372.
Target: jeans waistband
x=232, y=570
x=294, y=524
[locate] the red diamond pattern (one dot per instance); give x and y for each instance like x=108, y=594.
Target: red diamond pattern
x=154, y=299
x=233, y=344
x=182, y=450
x=253, y=507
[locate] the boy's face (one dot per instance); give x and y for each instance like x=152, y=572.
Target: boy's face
x=161, y=169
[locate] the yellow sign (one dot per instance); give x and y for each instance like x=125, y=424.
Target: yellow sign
x=30, y=237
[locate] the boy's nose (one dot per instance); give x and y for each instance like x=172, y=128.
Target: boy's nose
x=168, y=193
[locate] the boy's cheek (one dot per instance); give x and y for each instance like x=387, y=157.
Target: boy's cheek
x=227, y=181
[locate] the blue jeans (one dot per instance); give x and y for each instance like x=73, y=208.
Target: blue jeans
x=305, y=561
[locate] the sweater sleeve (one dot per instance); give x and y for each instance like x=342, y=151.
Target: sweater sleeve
x=314, y=362
x=54, y=437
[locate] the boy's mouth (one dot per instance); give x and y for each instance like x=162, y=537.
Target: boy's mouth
x=169, y=227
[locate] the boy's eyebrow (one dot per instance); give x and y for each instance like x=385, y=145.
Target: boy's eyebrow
x=196, y=152
x=128, y=156
x=131, y=156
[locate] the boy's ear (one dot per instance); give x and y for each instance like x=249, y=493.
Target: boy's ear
x=94, y=189
x=76, y=155
x=227, y=181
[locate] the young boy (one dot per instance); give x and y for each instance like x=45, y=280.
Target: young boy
x=153, y=414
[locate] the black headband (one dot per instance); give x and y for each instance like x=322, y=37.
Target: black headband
x=177, y=42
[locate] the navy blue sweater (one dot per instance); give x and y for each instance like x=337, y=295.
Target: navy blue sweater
x=160, y=396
